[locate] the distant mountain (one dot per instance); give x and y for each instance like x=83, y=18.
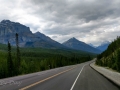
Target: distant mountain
x=8, y=30
x=78, y=45
x=92, y=45
x=48, y=40
x=103, y=46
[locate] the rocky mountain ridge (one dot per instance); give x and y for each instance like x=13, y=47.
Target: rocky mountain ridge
x=8, y=30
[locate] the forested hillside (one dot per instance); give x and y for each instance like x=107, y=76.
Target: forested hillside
x=16, y=61
x=111, y=57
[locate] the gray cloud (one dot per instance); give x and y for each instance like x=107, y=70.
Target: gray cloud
x=87, y=10
x=91, y=21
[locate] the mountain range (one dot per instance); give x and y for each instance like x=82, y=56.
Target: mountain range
x=103, y=46
x=79, y=45
x=8, y=29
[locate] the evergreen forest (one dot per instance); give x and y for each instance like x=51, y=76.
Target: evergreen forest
x=110, y=57
x=18, y=61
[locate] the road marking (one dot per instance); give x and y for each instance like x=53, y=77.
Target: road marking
x=45, y=79
x=76, y=79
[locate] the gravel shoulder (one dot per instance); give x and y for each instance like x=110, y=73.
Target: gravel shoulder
x=108, y=73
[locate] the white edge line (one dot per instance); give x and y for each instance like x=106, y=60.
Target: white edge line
x=76, y=79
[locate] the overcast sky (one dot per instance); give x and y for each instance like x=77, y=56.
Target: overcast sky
x=90, y=21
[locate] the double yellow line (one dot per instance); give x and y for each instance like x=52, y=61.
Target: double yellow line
x=29, y=86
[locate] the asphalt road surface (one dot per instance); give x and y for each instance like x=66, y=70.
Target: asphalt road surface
x=75, y=77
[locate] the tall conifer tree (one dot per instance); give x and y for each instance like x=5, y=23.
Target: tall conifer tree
x=9, y=61
x=18, y=54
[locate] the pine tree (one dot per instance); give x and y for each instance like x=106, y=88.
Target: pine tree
x=9, y=61
x=18, y=55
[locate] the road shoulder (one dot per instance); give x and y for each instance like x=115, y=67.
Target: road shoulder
x=109, y=74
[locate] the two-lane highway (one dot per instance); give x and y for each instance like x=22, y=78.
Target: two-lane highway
x=75, y=77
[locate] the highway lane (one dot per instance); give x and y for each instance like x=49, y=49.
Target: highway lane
x=75, y=77
x=25, y=80
x=61, y=82
x=92, y=80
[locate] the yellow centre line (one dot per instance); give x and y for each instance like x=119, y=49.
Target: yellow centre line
x=45, y=79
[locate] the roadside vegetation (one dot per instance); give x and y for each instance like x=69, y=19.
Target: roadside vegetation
x=110, y=57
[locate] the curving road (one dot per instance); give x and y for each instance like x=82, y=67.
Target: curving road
x=75, y=77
